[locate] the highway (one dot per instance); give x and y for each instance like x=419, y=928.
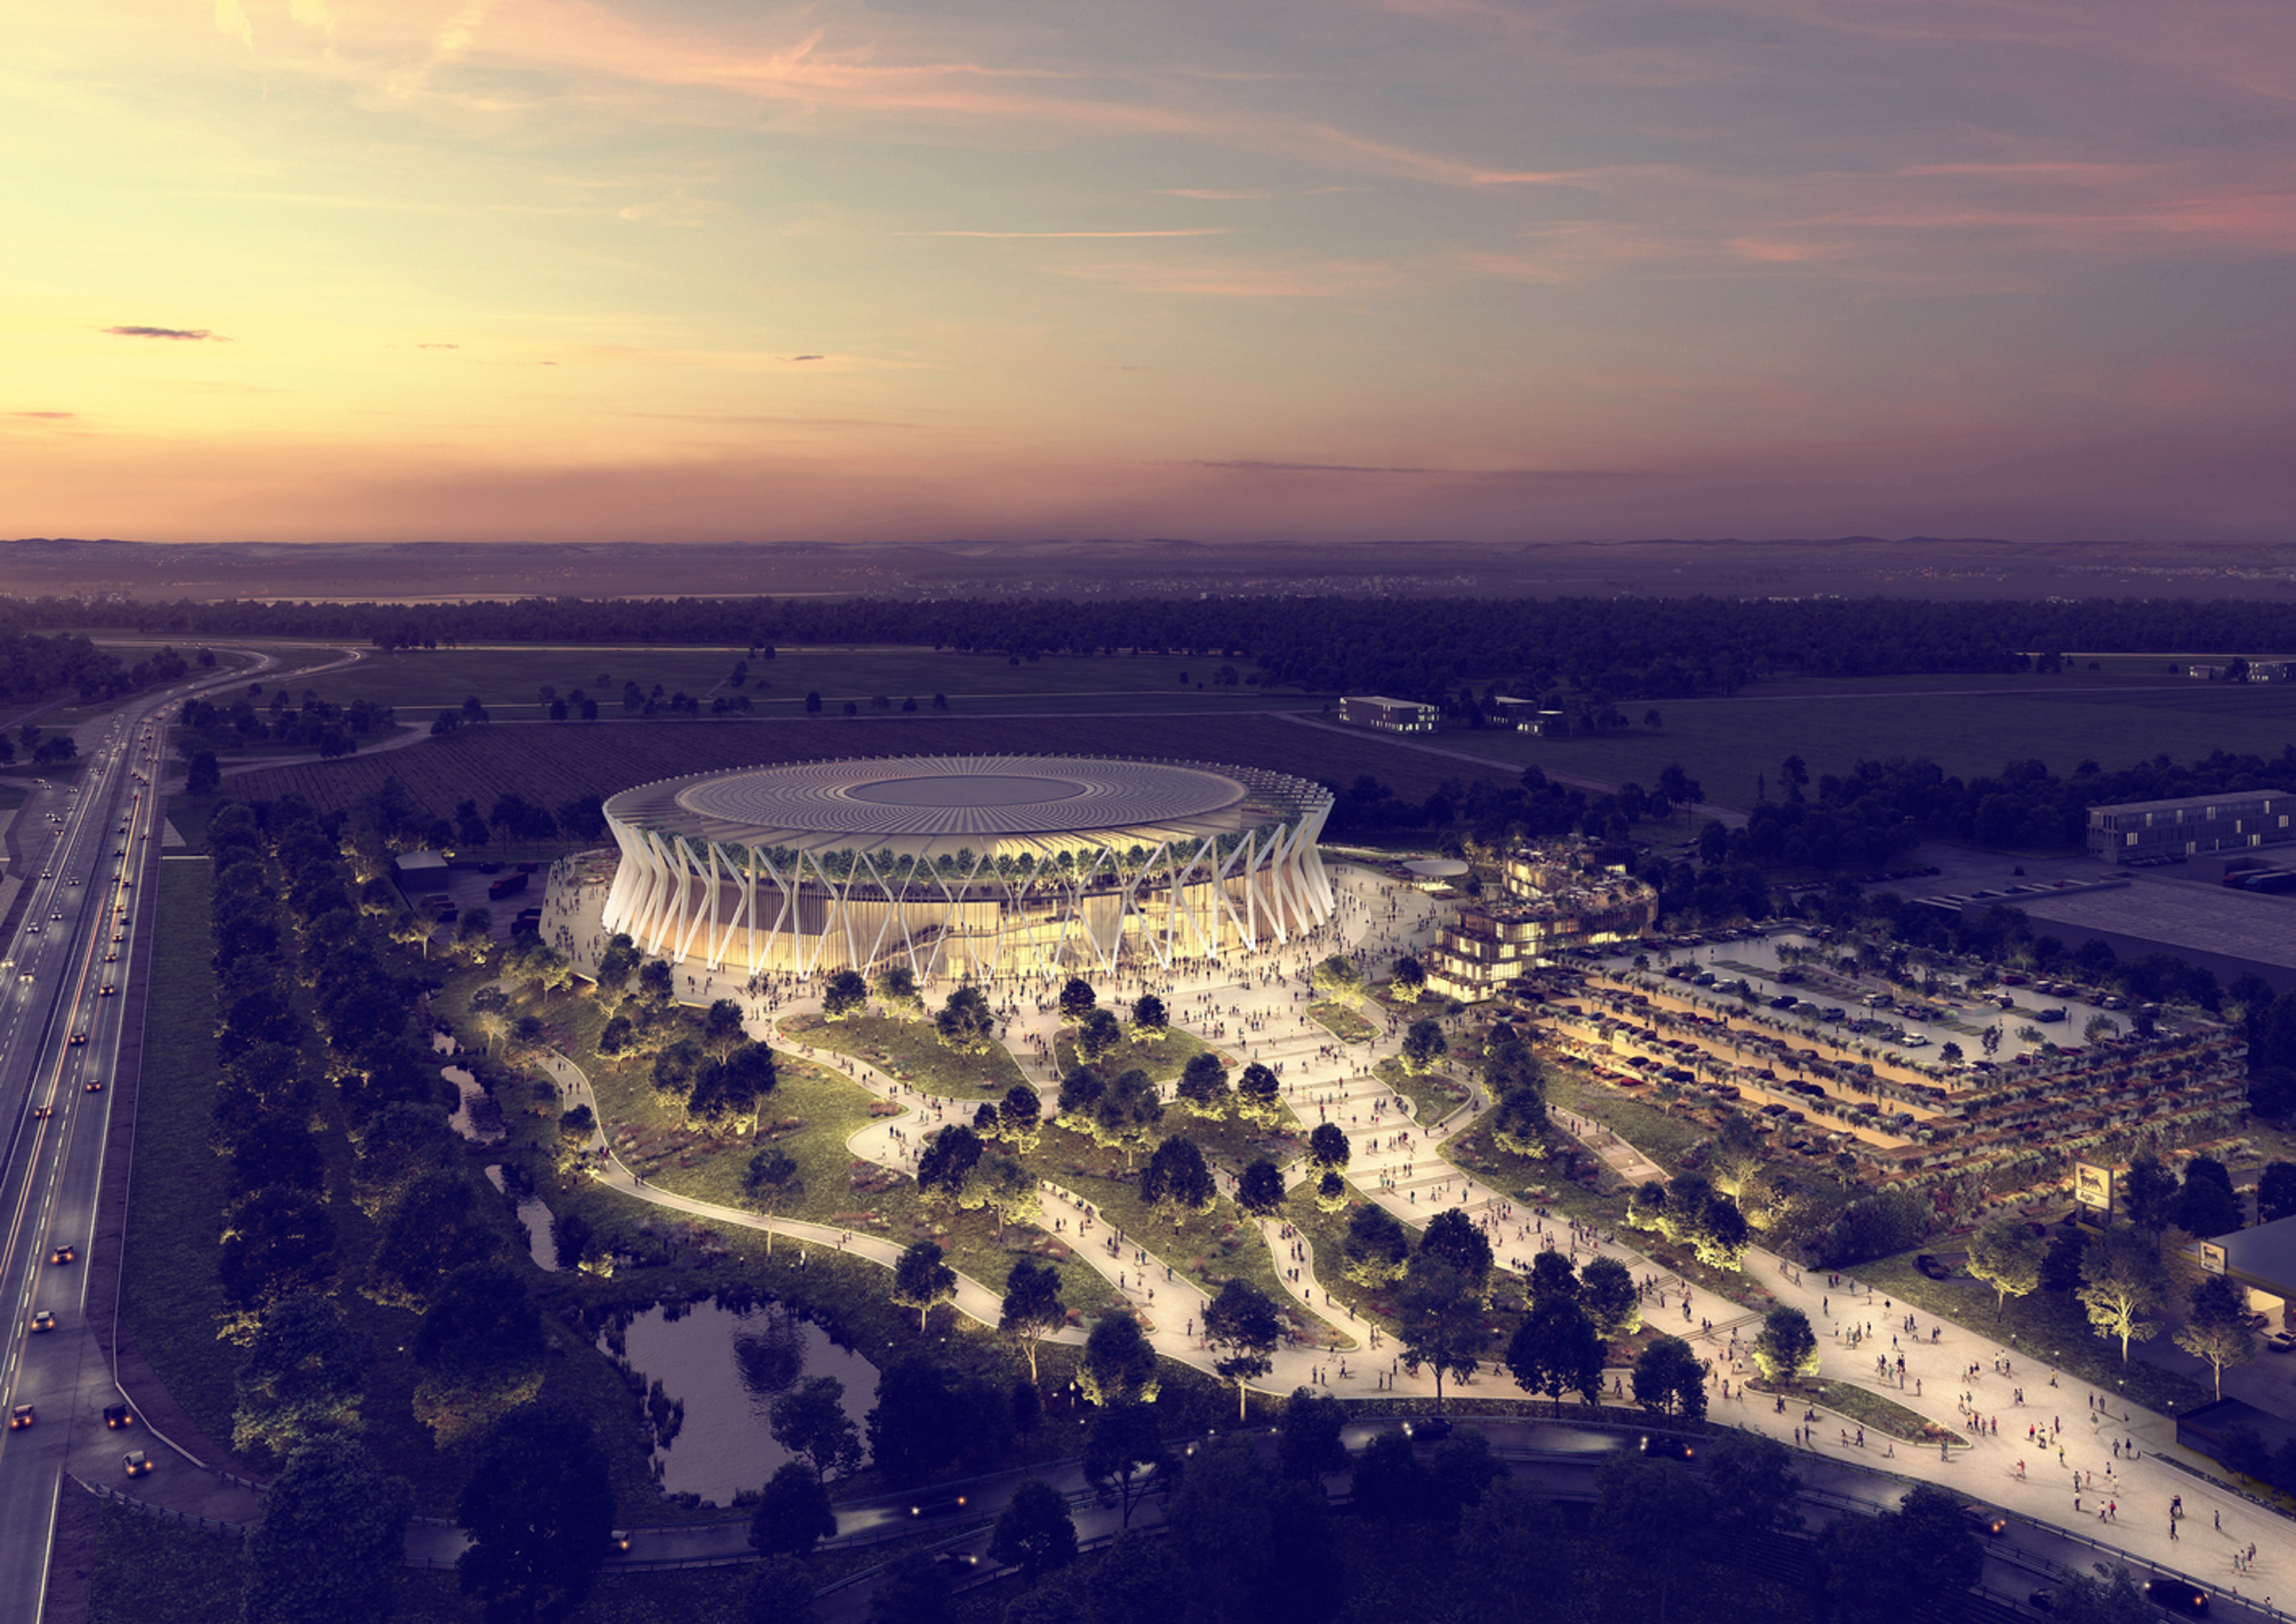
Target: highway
x=64, y=1011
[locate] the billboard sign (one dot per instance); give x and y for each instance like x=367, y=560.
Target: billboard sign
x=2093, y=1186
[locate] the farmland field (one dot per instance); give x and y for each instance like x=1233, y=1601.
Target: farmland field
x=1968, y=725
x=554, y=762
x=508, y=681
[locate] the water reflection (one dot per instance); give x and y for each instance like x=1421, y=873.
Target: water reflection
x=725, y=1366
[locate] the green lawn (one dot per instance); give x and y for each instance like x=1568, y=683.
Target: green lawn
x=2046, y=1329
x=168, y=1299
x=1862, y=1406
x=1342, y=1023
x=912, y=1052
x=1432, y=1098
x=1163, y=1058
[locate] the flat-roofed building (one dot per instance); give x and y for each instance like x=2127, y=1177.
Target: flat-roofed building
x=1519, y=714
x=2192, y=825
x=1389, y=714
x=1556, y=901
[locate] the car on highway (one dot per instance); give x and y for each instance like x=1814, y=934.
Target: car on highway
x=1984, y=1520
x=2177, y=1595
x=63, y=1254
x=41, y=1113
x=78, y=1038
x=20, y=1418
x=618, y=1543
x=95, y=1085
x=1665, y=1446
x=118, y=1416
x=44, y=1319
x=111, y=958
x=106, y=990
x=937, y=1505
x=1427, y=1430
x=956, y=1564
x=137, y=1463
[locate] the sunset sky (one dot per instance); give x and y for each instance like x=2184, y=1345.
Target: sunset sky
x=527, y=269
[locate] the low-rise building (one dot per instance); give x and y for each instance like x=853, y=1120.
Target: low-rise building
x=1389, y=714
x=1555, y=900
x=2191, y=825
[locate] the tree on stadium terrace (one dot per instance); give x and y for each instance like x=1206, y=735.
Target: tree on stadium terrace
x=1259, y=1193
x=1128, y=1111
x=897, y=990
x=1078, y=1001
x=1439, y=1316
x=966, y=1023
x=1786, y=1349
x=847, y=995
x=946, y=1161
x=1259, y=1094
x=1032, y=1310
x=1177, y=1181
x=1338, y=979
x=1670, y=1380
x=772, y=1182
x=1097, y=1036
x=1150, y=1019
x=1328, y=1148
x=2217, y=1331
x=1556, y=1350
x=2006, y=1255
x=2123, y=1281
x=1004, y=1186
x=1424, y=1047
x=1376, y=1248
x=1204, y=1086
x=1019, y=1118
x=1408, y=979
x=1118, y=1367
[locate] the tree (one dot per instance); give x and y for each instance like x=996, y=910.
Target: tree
x=2111, y=1597
x=2275, y=1192
x=2122, y=1281
x=793, y=1513
x=1032, y=1309
x=1128, y=1108
x=1260, y=1192
x=845, y=996
x=921, y=1279
x=946, y=1161
x=1879, y=1568
x=780, y=1591
x=1003, y=1185
x=1034, y=1532
x=1118, y=1367
x=332, y=1539
x=275, y=1242
x=1556, y=1350
x=1515, y=1560
x=538, y=1507
x=2145, y=1193
x=1438, y=1317
x=809, y=1421
x=1387, y=1482
x=1670, y=1380
x=2205, y=1206
x=1259, y=1094
x=1254, y=1547
x=1338, y=979
x=1243, y=1328
x=1752, y=1481
x=1098, y=1035
x=1655, y=1522
x=928, y=1418
x=2006, y=1255
x=2218, y=1330
x=304, y=1378
x=966, y=1022
x=1408, y=978
x=1177, y=1181
x=721, y=1029
x=1203, y=1085
x=1327, y=1147
x=772, y=1182
x=1452, y=1239
x=1150, y=1019
x=896, y=988
x=1606, y=1292
x=480, y=1350
x=1019, y=1118
x=1424, y=1047
x=912, y=1590
x=1124, y=1455
x=1786, y=1349
x=1331, y=1192
x=1551, y=1275
x=1376, y=1246
x=1078, y=1001
x=1312, y=1447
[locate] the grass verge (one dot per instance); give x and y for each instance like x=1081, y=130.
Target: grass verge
x=912, y=1052
x=1861, y=1407
x=1342, y=1023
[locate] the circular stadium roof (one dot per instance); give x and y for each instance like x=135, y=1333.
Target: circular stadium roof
x=1436, y=868
x=923, y=798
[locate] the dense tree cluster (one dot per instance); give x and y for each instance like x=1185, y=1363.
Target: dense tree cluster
x=1413, y=648
x=36, y=668
x=314, y=724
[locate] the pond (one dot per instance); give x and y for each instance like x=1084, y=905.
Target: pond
x=725, y=1366
x=540, y=1243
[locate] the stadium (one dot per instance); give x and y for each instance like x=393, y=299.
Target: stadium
x=967, y=865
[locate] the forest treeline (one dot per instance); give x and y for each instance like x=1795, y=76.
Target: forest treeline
x=34, y=667
x=1414, y=648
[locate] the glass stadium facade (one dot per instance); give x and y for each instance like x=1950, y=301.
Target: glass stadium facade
x=967, y=865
